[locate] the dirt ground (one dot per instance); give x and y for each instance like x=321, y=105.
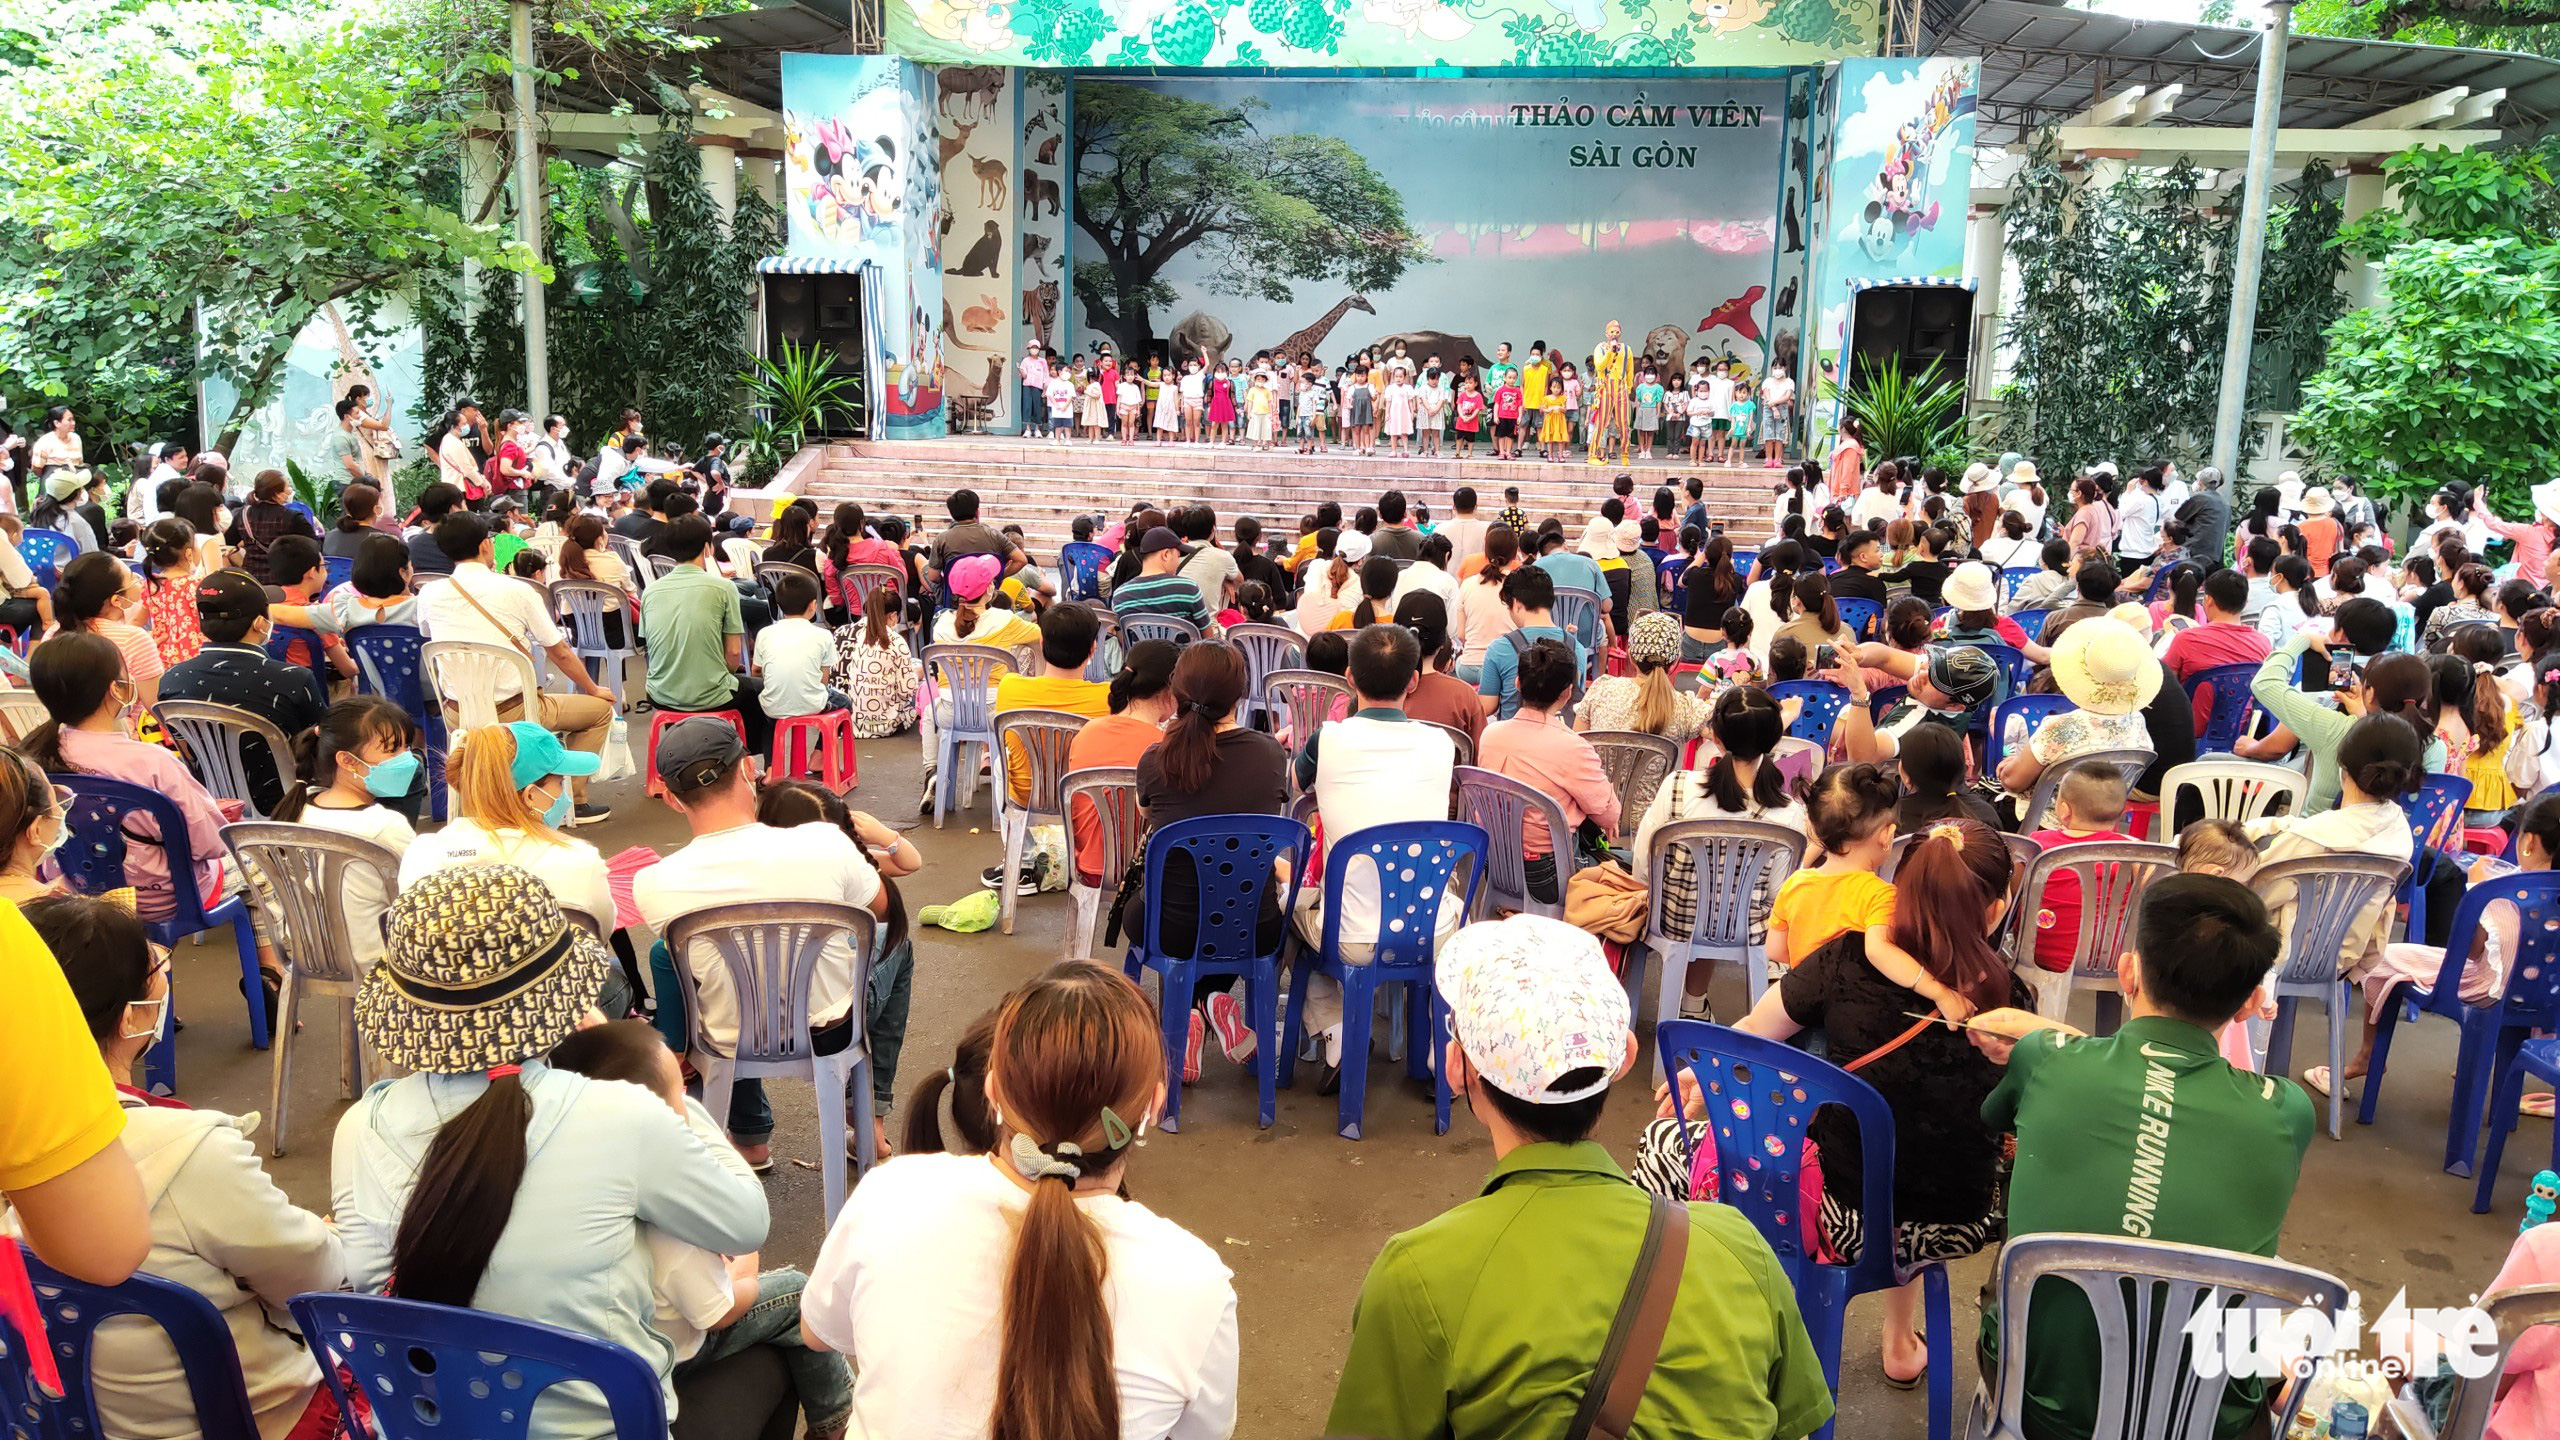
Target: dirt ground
x=1299, y=1213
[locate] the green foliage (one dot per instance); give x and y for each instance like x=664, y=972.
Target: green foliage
x=2532, y=26
x=322, y=496
x=2118, y=317
x=1262, y=209
x=2298, y=296
x=1906, y=414
x=799, y=392
x=700, y=297
x=2454, y=373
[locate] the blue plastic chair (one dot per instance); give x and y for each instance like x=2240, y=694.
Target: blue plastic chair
x=1865, y=618
x=2013, y=663
x=2036, y=709
x=2435, y=826
x=92, y=863
x=2234, y=708
x=1823, y=702
x=280, y=645
x=1231, y=855
x=46, y=552
x=1080, y=566
x=431, y=1371
x=388, y=664
x=1671, y=577
x=1416, y=862
x=74, y=1309
x=2015, y=576
x=341, y=568
x=2032, y=621
x=1761, y=1095
x=2492, y=1034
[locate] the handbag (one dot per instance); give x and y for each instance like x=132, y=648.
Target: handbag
x=1628, y=1356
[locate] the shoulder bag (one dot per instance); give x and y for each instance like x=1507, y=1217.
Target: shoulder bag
x=1635, y=1338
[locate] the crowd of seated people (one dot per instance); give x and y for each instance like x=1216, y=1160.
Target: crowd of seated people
x=542, y=1153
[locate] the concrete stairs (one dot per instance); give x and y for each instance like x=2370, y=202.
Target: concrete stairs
x=1043, y=487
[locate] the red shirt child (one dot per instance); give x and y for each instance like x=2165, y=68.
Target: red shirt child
x=2057, y=919
x=1470, y=412
x=1506, y=403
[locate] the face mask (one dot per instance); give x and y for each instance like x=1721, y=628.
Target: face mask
x=159, y=1025
x=390, y=779
x=61, y=835
x=556, y=814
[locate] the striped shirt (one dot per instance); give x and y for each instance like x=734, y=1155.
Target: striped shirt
x=1160, y=595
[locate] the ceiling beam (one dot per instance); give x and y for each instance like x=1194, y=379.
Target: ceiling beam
x=2116, y=109
x=2215, y=145
x=2417, y=114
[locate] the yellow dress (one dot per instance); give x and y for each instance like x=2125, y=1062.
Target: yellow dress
x=1556, y=424
x=2487, y=772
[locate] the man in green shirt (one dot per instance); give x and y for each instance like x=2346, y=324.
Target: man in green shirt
x=1486, y=1323
x=2148, y=1132
x=696, y=636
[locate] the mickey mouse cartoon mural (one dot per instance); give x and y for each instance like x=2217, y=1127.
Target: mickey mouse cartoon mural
x=1898, y=204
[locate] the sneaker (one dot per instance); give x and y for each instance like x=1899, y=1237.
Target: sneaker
x=1026, y=881
x=1191, y=1050
x=924, y=798
x=1235, y=1037
x=590, y=813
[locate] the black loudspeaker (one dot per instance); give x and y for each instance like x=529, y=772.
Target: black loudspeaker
x=1916, y=325
x=815, y=311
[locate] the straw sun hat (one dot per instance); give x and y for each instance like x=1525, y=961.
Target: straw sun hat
x=2105, y=667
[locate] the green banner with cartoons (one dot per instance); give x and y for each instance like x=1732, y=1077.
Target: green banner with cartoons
x=1381, y=33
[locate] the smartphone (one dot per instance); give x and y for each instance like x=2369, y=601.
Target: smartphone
x=1825, y=657
x=2342, y=669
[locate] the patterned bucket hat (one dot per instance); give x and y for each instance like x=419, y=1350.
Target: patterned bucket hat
x=1655, y=637
x=483, y=970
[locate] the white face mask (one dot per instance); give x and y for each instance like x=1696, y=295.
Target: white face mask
x=159, y=1025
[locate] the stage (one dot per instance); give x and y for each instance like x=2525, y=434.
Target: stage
x=1043, y=487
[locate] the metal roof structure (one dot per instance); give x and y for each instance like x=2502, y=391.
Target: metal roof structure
x=745, y=63
x=2043, y=63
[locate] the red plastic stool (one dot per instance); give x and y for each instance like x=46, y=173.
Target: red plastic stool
x=834, y=765
x=661, y=718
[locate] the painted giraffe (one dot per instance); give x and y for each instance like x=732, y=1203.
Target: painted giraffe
x=1304, y=342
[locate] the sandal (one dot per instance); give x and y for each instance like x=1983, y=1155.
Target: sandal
x=1914, y=1382
x=2536, y=1106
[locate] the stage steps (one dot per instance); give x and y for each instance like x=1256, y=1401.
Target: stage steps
x=1043, y=487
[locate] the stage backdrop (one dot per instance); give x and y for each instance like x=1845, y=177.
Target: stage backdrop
x=1250, y=34
x=862, y=186
x=1900, y=182
x=1232, y=216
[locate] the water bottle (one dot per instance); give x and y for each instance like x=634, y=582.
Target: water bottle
x=2013, y=736
x=2347, y=1421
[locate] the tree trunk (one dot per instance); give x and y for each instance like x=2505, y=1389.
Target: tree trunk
x=253, y=391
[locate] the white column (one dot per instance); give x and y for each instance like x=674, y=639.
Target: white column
x=1985, y=256
x=764, y=177
x=2366, y=193
x=720, y=177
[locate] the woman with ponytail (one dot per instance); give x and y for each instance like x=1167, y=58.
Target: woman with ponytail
x=2495, y=723
x=360, y=757
x=1948, y=893
x=1817, y=617
x=1744, y=726
x=1016, y=1295
x=1770, y=599
x=963, y=1083
x=1646, y=701
x=483, y=976
x=100, y=594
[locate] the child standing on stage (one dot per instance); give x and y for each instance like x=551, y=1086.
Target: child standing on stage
x=1222, y=406
x=1555, y=425
x=1061, y=396
x=1195, y=395
x=1719, y=415
x=1132, y=401
x=1741, y=412
x=1261, y=406
x=1506, y=417
x=1431, y=407
x=1470, y=416
x=1311, y=393
x=1570, y=382
x=1398, y=411
x=1168, y=407
x=1647, y=402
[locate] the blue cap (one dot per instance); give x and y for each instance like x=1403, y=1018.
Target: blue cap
x=540, y=755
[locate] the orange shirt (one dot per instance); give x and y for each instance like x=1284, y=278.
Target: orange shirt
x=1111, y=741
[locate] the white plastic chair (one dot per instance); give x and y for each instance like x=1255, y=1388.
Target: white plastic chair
x=2228, y=789
x=216, y=740
x=583, y=606
x=307, y=869
x=1466, y=743
x=2511, y=1314
x=20, y=713
x=627, y=550
x=1638, y=763
x=2329, y=893
x=465, y=676
x=966, y=674
x=1267, y=650
x=1501, y=806
x=1112, y=791
x=1301, y=701
x=770, y=951
x=2131, y=762
x=1043, y=737
x=2111, y=875
x=1730, y=856
x=2142, y=1293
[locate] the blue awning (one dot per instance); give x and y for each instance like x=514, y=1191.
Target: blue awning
x=806, y=265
